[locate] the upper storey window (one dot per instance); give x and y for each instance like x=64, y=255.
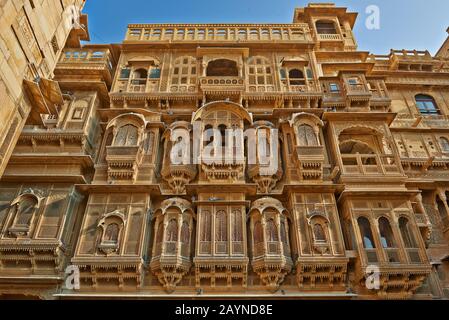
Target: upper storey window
x=126, y=136
x=325, y=27
x=260, y=74
x=306, y=136
x=184, y=74
x=426, y=104
x=222, y=68
x=141, y=74
x=140, y=77
x=296, y=77
x=366, y=233
x=292, y=77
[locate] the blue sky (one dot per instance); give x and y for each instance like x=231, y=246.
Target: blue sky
x=405, y=24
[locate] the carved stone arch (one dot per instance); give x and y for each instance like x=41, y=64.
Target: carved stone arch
x=376, y=130
x=136, y=119
x=111, y=227
x=183, y=205
x=359, y=133
x=229, y=106
x=260, y=205
x=306, y=118
x=24, y=209
x=356, y=146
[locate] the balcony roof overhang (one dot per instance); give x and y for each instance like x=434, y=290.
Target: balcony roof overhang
x=44, y=95
x=387, y=117
x=226, y=105
x=202, y=51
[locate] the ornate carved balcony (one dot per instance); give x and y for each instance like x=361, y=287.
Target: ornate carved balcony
x=222, y=85
x=172, y=256
x=271, y=258
x=178, y=176
x=310, y=160
x=123, y=162
x=265, y=182
x=221, y=169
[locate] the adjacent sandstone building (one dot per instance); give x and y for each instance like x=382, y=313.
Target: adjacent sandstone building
x=360, y=192
x=33, y=34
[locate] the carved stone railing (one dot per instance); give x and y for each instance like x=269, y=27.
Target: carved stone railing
x=209, y=84
x=218, y=32
x=370, y=164
x=85, y=56
x=329, y=37
x=310, y=161
x=122, y=162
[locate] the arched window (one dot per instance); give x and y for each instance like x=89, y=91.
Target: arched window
x=26, y=207
x=185, y=233
x=306, y=136
x=237, y=226
x=160, y=233
x=139, y=77
x=296, y=77
x=284, y=237
x=407, y=235
x=264, y=142
x=111, y=233
x=258, y=233
x=366, y=233
x=272, y=233
x=206, y=226
x=260, y=73
x=126, y=136
x=441, y=209
x=222, y=129
x=426, y=104
x=318, y=233
x=171, y=234
x=444, y=143
x=325, y=27
x=222, y=68
x=184, y=74
x=386, y=233
x=221, y=226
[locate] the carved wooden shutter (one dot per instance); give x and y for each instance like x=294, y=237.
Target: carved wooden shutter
x=221, y=226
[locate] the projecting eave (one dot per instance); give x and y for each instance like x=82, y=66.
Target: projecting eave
x=328, y=9
x=388, y=117
x=330, y=67
x=153, y=189
x=329, y=55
